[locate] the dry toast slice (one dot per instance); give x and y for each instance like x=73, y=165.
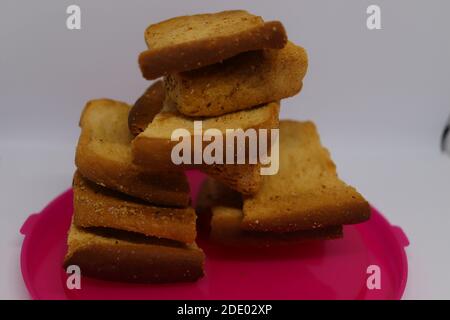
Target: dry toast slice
x=96, y=206
x=129, y=257
x=190, y=42
x=152, y=148
x=221, y=208
x=104, y=156
x=241, y=82
x=306, y=192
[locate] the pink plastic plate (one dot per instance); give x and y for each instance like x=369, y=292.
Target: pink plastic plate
x=335, y=269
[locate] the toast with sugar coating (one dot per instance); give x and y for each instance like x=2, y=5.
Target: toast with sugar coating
x=190, y=42
x=306, y=192
x=96, y=206
x=221, y=207
x=103, y=155
x=152, y=148
x=117, y=255
x=241, y=82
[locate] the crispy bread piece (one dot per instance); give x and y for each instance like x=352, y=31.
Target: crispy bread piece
x=241, y=82
x=306, y=192
x=225, y=209
x=152, y=148
x=129, y=257
x=96, y=206
x=146, y=108
x=189, y=42
x=104, y=156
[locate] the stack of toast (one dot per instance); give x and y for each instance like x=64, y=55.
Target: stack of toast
x=133, y=219
x=128, y=224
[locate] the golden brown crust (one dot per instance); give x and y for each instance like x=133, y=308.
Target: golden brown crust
x=119, y=256
x=190, y=42
x=223, y=207
x=152, y=149
x=226, y=230
x=241, y=82
x=306, y=192
x=146, y=108
x=103, y=155
x=96, y=206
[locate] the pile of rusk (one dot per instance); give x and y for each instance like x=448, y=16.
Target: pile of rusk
x=133, y=219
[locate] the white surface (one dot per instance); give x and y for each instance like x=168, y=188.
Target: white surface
x=380, y=99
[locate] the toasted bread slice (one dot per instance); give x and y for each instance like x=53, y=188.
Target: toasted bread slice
x=306, y=192
x=189, y=42
x=96, y=206
x=129, y=257
x=241, y=82
x=223, y=207
x=146, y=108
x=104, y=156
x=152, y=148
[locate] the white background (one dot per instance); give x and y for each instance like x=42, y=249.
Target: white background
x=380, y=99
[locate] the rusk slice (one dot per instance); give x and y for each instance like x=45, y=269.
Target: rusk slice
x=241, y=82
x=104, y=156
x=224, y=206
x=152, y=148
x=128, y=257
x=190, y=42
x=96, y=206
x=306, y=192
x=154, y=145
